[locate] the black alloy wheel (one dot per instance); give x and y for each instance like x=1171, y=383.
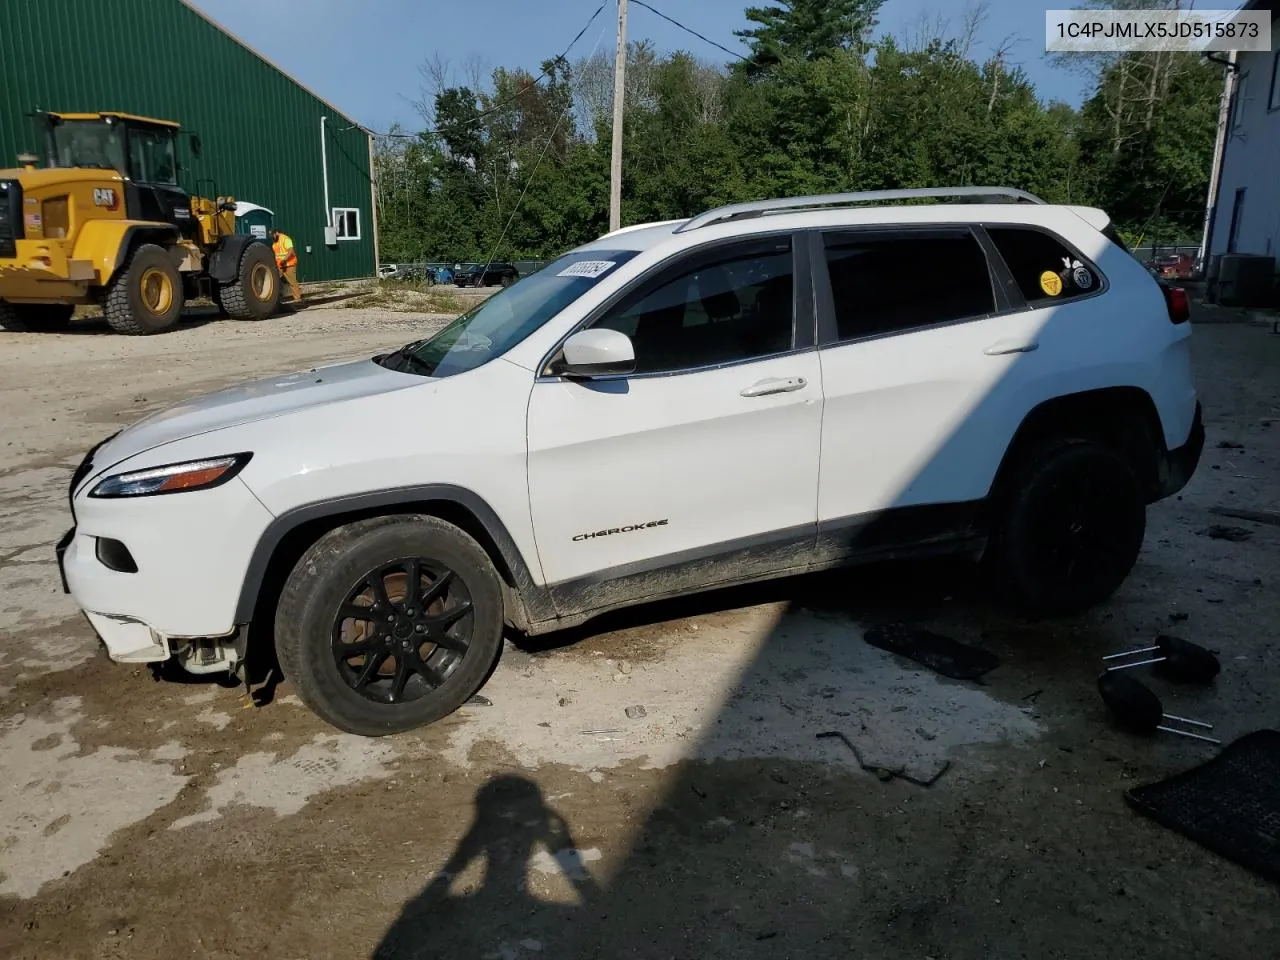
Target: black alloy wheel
x=402, y=630
x=390, y=623
x=1072, y=529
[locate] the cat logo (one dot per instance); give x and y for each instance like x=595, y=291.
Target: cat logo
x=104, y=197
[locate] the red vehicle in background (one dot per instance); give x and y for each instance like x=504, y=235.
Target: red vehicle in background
x=1176, y=266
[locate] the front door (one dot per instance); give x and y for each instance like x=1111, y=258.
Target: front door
x=702, y=466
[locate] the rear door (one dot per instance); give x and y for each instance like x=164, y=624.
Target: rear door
x=925, y=351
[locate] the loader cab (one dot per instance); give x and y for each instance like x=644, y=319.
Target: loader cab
x=143, y=151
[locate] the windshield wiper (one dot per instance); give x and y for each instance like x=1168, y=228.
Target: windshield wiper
x=405, y=360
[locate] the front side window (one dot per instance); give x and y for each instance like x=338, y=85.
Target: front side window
x=1043, y=268
x=731, y=305
x=883, y=285
x=87, y=143
x=507, y=318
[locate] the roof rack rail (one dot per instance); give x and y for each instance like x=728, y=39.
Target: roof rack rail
x=758, y=208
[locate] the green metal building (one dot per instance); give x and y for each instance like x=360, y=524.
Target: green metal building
x=263, y=137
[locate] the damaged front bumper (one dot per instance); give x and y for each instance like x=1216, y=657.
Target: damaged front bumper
x=128, y=640
x=175, y=599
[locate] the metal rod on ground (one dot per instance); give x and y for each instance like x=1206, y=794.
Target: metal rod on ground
x=619, y=98
x=1130, y=653
x=1193, y=736
x=1138, y=663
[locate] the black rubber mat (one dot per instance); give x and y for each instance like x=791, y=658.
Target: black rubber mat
x=1231, y=804
x=946, y=656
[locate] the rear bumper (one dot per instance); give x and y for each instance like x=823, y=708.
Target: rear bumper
x=1180, y=463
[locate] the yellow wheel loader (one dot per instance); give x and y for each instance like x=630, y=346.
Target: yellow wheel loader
x=104, y=221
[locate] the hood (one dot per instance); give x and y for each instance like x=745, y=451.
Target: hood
x=252, y=401
x=33, y=179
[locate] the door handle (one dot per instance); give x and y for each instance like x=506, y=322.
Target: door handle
x=764, y=388
x=1011, y=345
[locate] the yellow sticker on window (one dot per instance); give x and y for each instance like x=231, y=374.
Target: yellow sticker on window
x=1051, y=283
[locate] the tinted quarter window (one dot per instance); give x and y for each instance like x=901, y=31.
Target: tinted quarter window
x=734, y=304
x=1042, y=267
x=886, y=284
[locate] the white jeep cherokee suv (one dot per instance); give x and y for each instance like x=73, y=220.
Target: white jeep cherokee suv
x=762, y=390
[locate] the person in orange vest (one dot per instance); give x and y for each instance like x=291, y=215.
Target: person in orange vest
x=287, y=261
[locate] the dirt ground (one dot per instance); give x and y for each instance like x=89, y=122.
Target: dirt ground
x=154, y=818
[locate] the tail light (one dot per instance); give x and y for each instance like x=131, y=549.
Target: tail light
x=1179, y=304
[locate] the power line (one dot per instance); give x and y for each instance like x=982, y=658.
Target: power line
x=546, y=72
x=732, y=53
x=559, y=120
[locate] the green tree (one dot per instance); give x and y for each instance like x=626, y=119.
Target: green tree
x=806, y=30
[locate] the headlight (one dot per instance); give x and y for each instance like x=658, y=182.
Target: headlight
x=172, y=478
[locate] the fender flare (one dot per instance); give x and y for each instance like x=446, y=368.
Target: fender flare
x=1139, y=435
x=513, y=569
x=106, y=243
x=224, y=262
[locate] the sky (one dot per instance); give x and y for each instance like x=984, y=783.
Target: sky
x=363, y=55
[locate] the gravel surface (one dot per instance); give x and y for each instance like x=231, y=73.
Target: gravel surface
x=149, y=818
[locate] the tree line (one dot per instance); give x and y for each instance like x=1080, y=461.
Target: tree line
x=516, y=165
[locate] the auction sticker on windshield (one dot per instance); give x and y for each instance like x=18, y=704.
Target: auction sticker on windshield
x=591, y=269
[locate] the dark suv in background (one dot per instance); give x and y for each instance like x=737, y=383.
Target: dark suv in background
x=480, y=275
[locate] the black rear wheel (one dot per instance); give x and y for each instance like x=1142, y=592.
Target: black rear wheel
x=389, y=624
x=35, y=317
x=1070, y=529
x=255, y=292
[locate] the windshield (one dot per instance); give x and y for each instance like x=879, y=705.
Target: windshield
x=505, y=319
x=87, y=143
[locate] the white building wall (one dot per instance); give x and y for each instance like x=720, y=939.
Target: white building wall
x=1252, y=159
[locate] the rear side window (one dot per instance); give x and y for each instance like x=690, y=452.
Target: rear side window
x=1043, y=268
x=883, y=285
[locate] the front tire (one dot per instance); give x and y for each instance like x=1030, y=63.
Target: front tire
x=390, y=623
x=35, y=317
x=255, y=293
x=146, y=295
x=1070, y=528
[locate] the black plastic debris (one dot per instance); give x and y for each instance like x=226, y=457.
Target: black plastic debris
x=1220, y=532
x=886, y=774
x=951, y=658
x=1137, y=709
x=1174, y=659
x=1229, y=804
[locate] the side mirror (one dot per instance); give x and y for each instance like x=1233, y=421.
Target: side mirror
x=596, y=353
x=195, y=145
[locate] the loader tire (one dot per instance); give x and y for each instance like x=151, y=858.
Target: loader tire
x=146, y=295
x=255, y=292
x=35, y=317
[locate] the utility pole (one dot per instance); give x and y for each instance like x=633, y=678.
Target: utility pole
x=1219, y=149
x=619, y=97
